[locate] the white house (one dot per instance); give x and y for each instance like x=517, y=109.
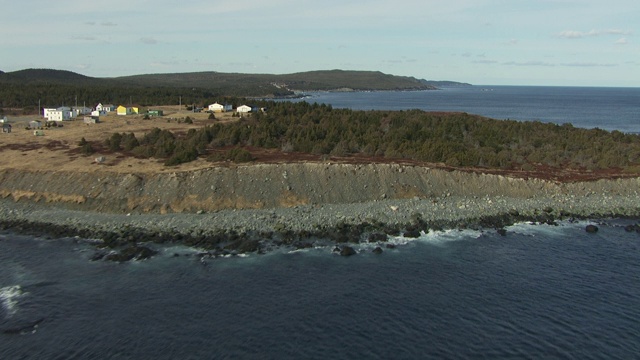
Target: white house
x=215, y=107
x=246, y=109
x=98, y=113
x=106, y=108
x=59, y=114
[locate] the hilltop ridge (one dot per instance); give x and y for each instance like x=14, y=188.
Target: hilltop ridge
x=309, y=80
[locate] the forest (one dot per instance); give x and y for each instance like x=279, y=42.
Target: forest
x=454, y=139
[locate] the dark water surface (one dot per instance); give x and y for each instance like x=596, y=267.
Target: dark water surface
x=539, y=292
x=587, y=107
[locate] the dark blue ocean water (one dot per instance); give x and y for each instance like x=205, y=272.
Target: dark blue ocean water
x=541, y=292
x=587, y=107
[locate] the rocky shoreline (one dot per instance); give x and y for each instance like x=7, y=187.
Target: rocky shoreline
x=376, y=202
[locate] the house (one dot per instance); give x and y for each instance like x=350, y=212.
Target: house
x=215, y=107
x=124, y=110
x=4, y=120
x=80, y=110
x=246, y=109
x=35, y=124
x=155, y=113
x=6, y=128
x=99, y=113
x=62, y=113
x=59, y=115
x=106, y=108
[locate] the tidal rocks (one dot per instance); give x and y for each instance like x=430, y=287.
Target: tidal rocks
x=133, y=252
x=377, y=250
x=347, y=251
x=591, y=229
x=632, y=228
x=502, y=231
x=377, y=237
x=412, y=234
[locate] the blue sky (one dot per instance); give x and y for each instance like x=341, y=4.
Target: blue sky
x=498, y=42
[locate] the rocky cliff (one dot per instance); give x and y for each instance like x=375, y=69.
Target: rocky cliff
x=266, y=186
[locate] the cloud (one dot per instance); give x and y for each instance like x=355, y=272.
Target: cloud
x=573, y=34
x=85, y=38
x=587, y=64
x=621, y=41
x=148, y=41
x=485, y=62
x=108, y=23
x=528, y=63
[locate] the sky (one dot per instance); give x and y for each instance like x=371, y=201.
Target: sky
x=488, y=42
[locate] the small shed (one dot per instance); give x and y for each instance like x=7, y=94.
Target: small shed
x=6, y=128
x=38, y=133
x=35, y=124
x=156, y=113
x=91, y=119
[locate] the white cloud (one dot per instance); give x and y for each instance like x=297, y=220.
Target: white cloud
x=622, y=41
x=573, y=34
x=587, y=64
x=528, y=63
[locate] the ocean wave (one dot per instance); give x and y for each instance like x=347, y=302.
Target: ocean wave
x=9, y=296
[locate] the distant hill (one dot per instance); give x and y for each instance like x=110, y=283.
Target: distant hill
x=43, y=75
x=304, y=81
x=252, y=84
x=24, y=88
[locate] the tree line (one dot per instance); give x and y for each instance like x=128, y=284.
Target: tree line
x=455, y=139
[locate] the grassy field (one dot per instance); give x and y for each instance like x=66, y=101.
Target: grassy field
x=58, y=149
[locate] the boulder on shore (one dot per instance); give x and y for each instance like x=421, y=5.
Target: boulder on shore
x=347, y=251
x=591, y=229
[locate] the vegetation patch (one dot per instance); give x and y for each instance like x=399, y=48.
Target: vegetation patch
x=452, y=139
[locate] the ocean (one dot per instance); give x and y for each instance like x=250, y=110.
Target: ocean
x=540, y=292
x=586, y=107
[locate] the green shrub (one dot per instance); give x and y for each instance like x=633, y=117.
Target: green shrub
x=87, y=149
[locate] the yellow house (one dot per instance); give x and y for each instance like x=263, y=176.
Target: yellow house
x=123, y=110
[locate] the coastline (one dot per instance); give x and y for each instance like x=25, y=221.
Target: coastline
x=371, y=207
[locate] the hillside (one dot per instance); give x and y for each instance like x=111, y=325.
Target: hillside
x=25, y=89
x=312, y=80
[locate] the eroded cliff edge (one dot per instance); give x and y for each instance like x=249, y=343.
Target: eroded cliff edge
x=269, y=186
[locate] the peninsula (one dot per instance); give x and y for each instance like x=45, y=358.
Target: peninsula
x=288, y=174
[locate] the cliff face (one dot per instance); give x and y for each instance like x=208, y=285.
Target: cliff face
x=275, y=185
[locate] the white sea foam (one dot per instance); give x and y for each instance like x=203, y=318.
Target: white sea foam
x=527, y=229
x=9, y=299
x=437, y=237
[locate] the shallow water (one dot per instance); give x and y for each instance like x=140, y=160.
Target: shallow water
x=540, y=292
